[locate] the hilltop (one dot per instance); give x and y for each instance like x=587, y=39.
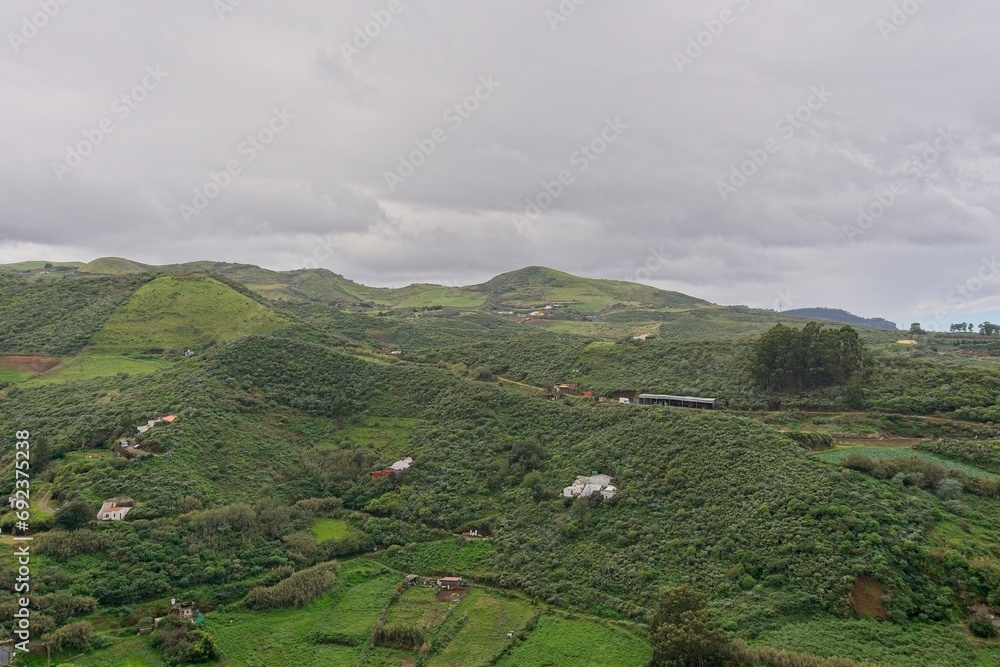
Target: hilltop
x=522, y=291
x=536, y=285
x=838, y=315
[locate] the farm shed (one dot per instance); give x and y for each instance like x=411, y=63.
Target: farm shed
x=677, y=401
x=450, y=583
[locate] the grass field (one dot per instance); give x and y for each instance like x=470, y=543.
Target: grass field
x=88, y=366
x=178, y=312
x=878, y=453
x=34, y=266
x=443, y=557
x=910, y=645
x=418, y=607
x=282, y=637
x=129, y=653
x=483, y=634
x=423, y=296
x=330, y=529
x=386, y=436
x=13, y=377
x=606, y=330
x=559, y=641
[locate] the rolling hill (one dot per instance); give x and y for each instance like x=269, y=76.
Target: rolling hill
x=856, y=521
x=536, y=286
x=184, y=311
x=838, y=315
x=526, y=288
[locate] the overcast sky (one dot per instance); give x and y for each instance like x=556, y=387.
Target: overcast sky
x=722, y=149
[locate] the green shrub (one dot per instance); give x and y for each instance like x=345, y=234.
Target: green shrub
x=983, y=628
x=295, y=591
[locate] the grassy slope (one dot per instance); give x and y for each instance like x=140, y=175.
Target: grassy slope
x=537, y=286
x=483, y=635
x=57, y=317
x=559, y=641
x=88, y=366
x=878, y=453
x=177, y=312
x=113, y=266
x=34, y=266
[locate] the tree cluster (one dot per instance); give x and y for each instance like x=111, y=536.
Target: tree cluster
x=787, y=359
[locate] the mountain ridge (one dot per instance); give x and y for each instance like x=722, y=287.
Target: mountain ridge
x=526, y=289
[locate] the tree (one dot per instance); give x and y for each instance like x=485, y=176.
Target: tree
x=915, y=328
x=786, y=359
x=525, y=456
x=989, y=329
x=680, y=633
x=74, y=515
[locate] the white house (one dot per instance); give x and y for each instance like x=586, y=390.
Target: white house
x=584, y=487
x=402, y=464
x=115, y=509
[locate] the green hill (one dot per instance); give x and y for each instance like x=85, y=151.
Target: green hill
x=538, y=286
x=113, y=266
x=57, y=317
x=183, y=311
x=530, y=288
x=803, y=516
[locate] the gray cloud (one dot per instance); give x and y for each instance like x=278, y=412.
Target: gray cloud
x=317, y=193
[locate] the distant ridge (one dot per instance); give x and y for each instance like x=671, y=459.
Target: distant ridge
x=525, y=289
x=838, y=315
x=536, y=285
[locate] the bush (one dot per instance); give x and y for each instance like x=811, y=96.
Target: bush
x=74, y=515
x=398, y=636
x=680, y=634
x=948, y=489
x=183, y=644
x=295, y=591
x=983, y=628
x=73, y=637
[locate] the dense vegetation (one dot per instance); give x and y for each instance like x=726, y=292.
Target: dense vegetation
x=788, y=359
x=257, y=500
x=57, y=317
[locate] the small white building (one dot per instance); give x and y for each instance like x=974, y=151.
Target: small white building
x=402, y=464
x=115, y=509
x=585, y=487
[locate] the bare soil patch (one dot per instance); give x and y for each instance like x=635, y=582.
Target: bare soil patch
x=867, y=598
x=454, y=595
x=28, y=364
